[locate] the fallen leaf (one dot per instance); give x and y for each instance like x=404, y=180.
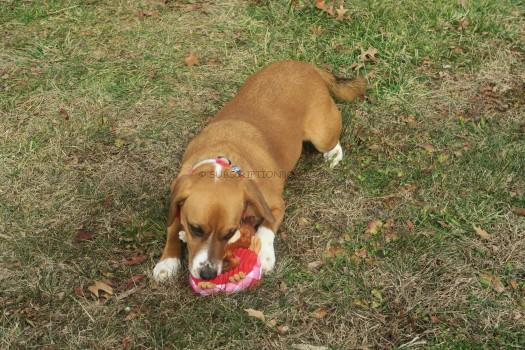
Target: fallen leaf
x=79, y=292
x=119, y=142
x=125, y=342
x=434, y=319
x=428, y=147
x=283, y=287
x=340, y=12
x=481, y=232
x=361, y=253
x=391, y=236
x=60, y=296
x=83, y=235
x=127, y=293
x=308, y=347
x=303, y=222
x=347, y=237
x=357, y=66
x=493, y=280
x=376, y=293
x=191, y=60
x=317, y=30
x=463, y=24
x=256, y=314
x=283, y=329
x=148, y=14
x=457, y=50
x=130, y=316
x=361, y=303
x=321, y=5
x=319, y=313
x=64, y=113
x=172, y=102
x=514, y=284
x=409, y=119
x=107, y=202
x=374, y=227
x=519, y=211
x=369, y=55
x=410, y=225
x=133, y=281
x=136, y=259
x=314, y=265
x=100, y=286
x=271, y=323
x=333, y=252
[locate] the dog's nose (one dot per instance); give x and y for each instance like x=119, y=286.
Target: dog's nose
x=207, y=273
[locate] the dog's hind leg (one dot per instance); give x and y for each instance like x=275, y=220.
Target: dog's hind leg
x=323, y=128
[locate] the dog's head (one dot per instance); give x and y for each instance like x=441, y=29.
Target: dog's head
x=210, y=211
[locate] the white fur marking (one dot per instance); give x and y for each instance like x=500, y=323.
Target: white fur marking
x=334, y=156
x=182, y=236
x=267, y=253
x=166, y=269
x=235, y=237
x=200, y=259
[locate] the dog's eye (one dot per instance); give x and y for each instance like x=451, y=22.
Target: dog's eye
x=196, y=231
x=230, y=234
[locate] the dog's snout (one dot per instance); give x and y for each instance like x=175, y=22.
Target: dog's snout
x=207, y=273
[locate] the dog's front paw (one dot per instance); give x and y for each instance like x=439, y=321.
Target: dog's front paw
x=267, y=252
x=166, y=269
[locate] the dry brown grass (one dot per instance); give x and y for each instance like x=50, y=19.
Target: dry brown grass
x=96, y=108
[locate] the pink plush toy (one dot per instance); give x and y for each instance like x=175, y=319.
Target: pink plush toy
x=242, y=266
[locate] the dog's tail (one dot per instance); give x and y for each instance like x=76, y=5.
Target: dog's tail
x=342, y=88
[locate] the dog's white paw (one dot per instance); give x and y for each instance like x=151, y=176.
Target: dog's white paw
x=166, y=269
x=334, y=156
x=267, y=253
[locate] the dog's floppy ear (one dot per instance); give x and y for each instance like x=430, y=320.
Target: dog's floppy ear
x=180, y=190
x=254, y=198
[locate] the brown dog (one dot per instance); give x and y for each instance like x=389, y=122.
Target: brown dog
x=237, y=165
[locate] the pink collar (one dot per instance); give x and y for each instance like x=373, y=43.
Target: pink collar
x=220, y=163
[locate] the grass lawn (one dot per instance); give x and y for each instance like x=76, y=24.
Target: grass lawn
x=97, y=105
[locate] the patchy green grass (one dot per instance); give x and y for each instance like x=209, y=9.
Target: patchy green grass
x=97, y=105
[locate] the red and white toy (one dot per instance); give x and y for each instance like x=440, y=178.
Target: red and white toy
x=242, y=264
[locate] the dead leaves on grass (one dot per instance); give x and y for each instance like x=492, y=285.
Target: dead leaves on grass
x=493, y=281
x=146, y=14
x=257, y=314
x=100, y=286
x=374, y=227
x=136, y=259
x=339, y=13
x=192, y=59
x=319, y=313
x=481, y=232
x=369, y=55
x=83, y=235
x=314, y=265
